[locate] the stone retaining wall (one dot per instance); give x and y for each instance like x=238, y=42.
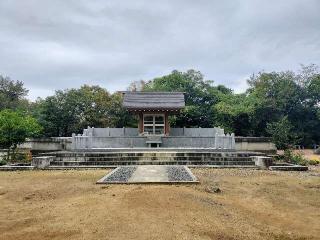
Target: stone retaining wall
x=58, y=144
x=133, y=132
x=129, y=138
x=87, y=142
x=255, y=144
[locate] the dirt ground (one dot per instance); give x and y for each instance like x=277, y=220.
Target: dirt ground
x=307, y=153
x=252, y=204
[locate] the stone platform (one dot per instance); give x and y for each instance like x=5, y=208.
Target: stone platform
x=289, y=167
x=149, y=174
x=161, y=156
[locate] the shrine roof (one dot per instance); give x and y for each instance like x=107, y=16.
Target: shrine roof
x=154, y=100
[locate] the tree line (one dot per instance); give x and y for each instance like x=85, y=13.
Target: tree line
x=283, y=105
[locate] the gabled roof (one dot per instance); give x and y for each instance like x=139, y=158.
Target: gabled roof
x=153, y=100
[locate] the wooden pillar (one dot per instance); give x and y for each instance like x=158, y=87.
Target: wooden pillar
x=140, y=124
x=166, y=123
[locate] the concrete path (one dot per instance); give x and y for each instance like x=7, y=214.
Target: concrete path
x=150, y=173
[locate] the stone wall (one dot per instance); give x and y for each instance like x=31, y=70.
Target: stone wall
x=218, y=142
x=110, y=132
x=129, y=138
x=255, y=144
x=42, y=162
x=59, y=144
x=47, y=144
x=132, y=132
x=196, y=132
x=85, y=142
x=89, y=141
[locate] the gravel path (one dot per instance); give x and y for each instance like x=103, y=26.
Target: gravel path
x=121, y=174
x=178, y=173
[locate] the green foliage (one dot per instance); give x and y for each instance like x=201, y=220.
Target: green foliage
x=17, y=156
x=72, y=110
x=281, y=105
x=295, y=158
x=3, y=162
x=281, y=133
x=12, y=94
x=294, y=95
x=200, y=96
x=314, y=89
x=15, y=128
x=258, y=112
x=313, y=162
x=235, y=113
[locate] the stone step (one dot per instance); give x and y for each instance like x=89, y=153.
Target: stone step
x=160, y=149
x=138, y=158
x=149, y=155
x=289, y=168
x=152, y=154
x=85, y=163
x=112, y=167
x=185, y=157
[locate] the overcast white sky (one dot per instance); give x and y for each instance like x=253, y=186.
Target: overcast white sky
x=57, y=44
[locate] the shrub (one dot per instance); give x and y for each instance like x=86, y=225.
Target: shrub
x=281, y=133
x=15, y=128
x=20, y=157
x=295, y=158
x=313, y=162
x=2, y=162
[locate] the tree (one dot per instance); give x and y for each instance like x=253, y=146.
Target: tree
x=282, y=133
x=235, y=113
x=12, y=93
x=270, y=97
x=280, y=91
x=136, y=86
x=200, y=95
x=313, y=89
x=72, y=110
x=290, y=94
x=15, y=128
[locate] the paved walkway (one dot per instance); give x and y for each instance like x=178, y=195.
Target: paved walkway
x=150, y=173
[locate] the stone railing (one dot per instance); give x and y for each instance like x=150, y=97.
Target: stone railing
x=132, y=132
x=196, y=132
x=129, y=138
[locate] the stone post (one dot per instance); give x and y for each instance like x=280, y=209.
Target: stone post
x=262, y=162
x=73, y=144
x=233, y=141
x=42, y=162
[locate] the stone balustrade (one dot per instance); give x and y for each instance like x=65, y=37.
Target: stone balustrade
x=214, y=138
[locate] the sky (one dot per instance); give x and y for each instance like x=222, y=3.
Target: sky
x=59, y=44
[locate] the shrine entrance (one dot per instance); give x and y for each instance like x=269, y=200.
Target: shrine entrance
x=153, y=110
x=154, y=124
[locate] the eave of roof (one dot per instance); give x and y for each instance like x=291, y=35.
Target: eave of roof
x=154, y=100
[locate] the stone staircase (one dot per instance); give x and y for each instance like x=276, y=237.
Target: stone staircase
x=154, y=141
x=152, y=157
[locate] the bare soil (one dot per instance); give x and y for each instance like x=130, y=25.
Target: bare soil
x=307, y=153
x=252, y=204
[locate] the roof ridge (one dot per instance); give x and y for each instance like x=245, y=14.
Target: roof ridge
x=147, y=92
